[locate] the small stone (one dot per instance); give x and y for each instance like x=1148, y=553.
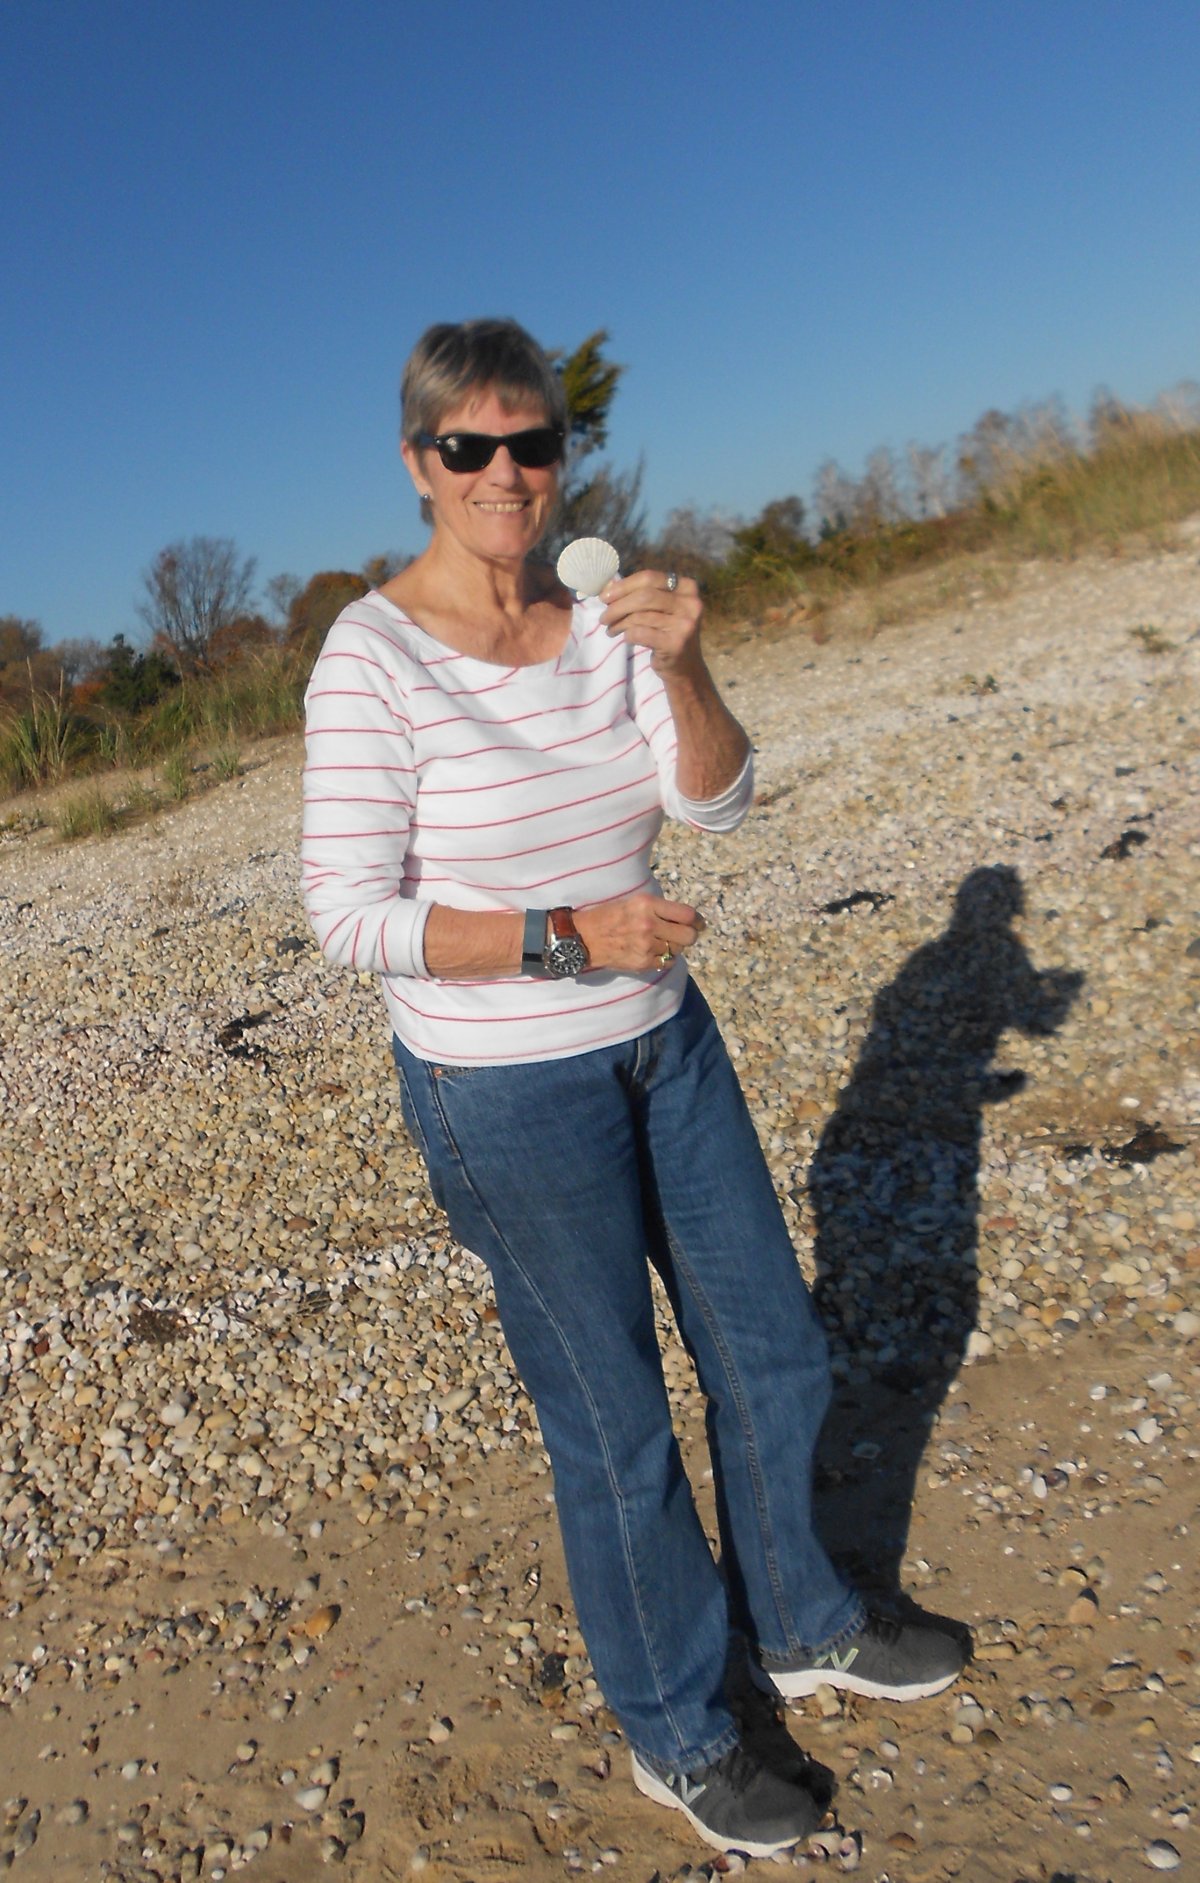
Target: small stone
x=316, y=1626
x=1161, y=1855
x=311, y=1797
x=74, y=1813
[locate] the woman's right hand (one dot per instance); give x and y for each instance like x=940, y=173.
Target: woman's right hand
x=638, y=933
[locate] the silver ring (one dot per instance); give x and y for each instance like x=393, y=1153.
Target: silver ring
x=672, y=583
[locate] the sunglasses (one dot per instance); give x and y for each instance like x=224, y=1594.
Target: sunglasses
x=533, y=450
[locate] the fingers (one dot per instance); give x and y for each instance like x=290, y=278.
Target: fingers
x=677, y=922
x=640, y=933
x=647, y=598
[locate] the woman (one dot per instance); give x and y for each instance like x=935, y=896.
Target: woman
x=489, y=764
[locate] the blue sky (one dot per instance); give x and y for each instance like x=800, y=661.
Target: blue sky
x=810, y=229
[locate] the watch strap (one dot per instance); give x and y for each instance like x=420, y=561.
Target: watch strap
x=562, y=925
x=534, y=941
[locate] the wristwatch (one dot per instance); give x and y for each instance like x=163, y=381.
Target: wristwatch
x=564, y=952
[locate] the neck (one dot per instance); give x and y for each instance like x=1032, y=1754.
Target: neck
x=500, y=585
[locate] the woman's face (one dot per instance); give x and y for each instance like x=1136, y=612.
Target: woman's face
x=498, y=513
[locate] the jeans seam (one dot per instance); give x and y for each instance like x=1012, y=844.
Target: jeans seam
x=754, y=1467
x=597, y=1423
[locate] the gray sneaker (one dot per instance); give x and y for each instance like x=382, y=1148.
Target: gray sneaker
x=735, y=1803
x=887, y=1659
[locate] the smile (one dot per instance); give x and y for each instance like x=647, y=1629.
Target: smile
x=504, y=509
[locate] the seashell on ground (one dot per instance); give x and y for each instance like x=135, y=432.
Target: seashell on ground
x=587, y=564
x=317, y=1624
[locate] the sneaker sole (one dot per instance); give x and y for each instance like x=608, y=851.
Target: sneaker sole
x=801, y=1686
x=653, y=1787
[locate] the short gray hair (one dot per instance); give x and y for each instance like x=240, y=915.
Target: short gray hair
x=456, y=358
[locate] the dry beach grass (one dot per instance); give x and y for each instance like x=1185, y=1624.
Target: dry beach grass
x=281, y=1583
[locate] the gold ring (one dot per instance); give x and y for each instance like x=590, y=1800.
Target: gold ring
x=666, y=958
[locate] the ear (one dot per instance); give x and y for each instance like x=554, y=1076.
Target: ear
x=413, y=465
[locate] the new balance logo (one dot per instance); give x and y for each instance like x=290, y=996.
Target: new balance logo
x=843, y=1662
x=689, y=1792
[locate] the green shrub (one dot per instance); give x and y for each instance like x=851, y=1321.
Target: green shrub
x=226, y=763
x=177, y=771
x=87, y=814
x=44, y=742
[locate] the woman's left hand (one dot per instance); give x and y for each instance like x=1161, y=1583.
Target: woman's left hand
x=649, y=612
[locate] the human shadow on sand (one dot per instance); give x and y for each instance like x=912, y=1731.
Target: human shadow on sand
x=894, y=1186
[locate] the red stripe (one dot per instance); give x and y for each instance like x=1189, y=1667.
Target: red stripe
x=514, y=1019
x=360, y=732
x=537, y=849
x=526, y=778
x=521, y=889
x=481, y=751
x=356, y=693
x=520, y=719
x=406, y=771
x=340, y=836
x=548, y=810
x=311, y=800
x=340, y=923
x=361, y=660
x=471, y=693
x=619, y=895
x=590, y=1044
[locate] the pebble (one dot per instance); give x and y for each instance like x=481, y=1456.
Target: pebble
x=1161, y=1855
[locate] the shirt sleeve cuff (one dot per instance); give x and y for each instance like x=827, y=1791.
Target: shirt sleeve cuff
x=405, y=944
x=726, y=811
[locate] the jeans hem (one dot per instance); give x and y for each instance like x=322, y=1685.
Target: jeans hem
x=768, y=1659
x=686, y=1766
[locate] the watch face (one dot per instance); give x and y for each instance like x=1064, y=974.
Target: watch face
x=567, y=956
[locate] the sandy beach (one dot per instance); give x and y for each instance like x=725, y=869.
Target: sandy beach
x=282, y=1588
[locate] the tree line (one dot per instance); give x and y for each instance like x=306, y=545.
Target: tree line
x=201, y=615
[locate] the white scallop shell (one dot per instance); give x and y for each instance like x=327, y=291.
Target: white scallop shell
x=587, y=564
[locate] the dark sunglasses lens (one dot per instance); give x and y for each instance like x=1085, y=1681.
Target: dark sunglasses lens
x=466, y=451
x=534, y=450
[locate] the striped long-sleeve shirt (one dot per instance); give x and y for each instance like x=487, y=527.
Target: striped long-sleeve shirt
x=432, y=777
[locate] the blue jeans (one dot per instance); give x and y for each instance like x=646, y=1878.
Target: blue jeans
x=564, y=1175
